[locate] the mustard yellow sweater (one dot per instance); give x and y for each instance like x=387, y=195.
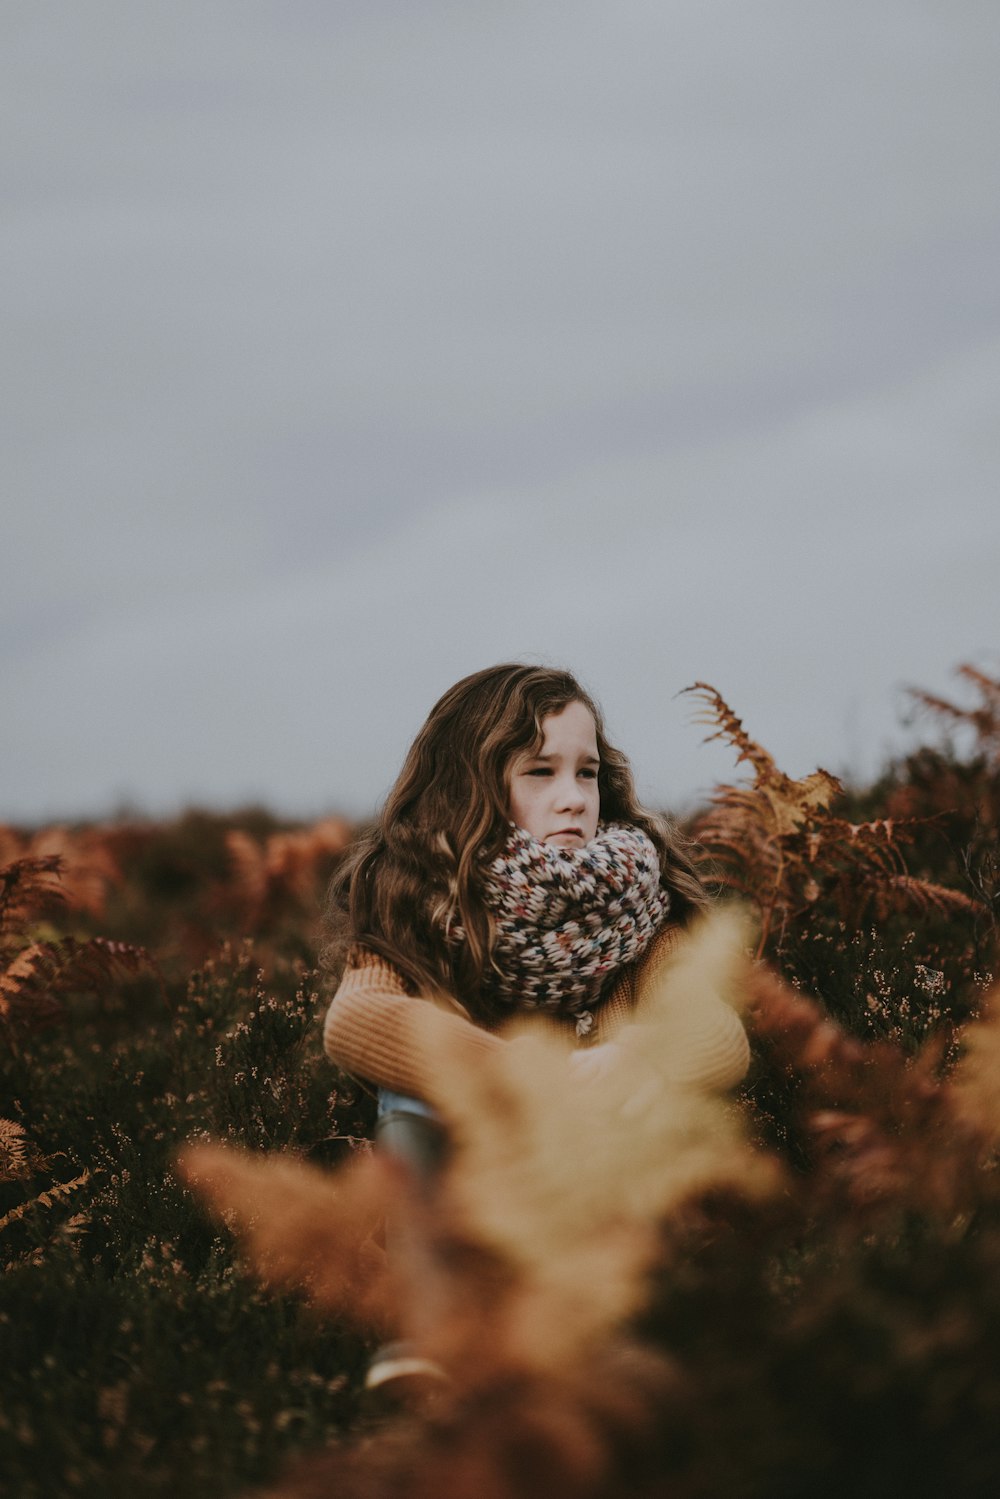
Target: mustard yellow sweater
x=370, y=1032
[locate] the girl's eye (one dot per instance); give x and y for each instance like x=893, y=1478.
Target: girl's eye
x=587, y=771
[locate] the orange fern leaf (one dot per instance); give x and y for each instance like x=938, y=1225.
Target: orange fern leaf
x=725, y=725
x=47, y=1199
x=15, y=1151
x=27, y=884
x=931, y=897
x=778, y=841
x=288, y=864
x=794, y=803
x=304, y=1227
x=88, y=866
x=249, y=868
x=983, y=718
x=881, y=1126
x=36, y=978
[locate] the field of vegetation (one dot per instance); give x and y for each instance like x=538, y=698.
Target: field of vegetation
x=793, y=1292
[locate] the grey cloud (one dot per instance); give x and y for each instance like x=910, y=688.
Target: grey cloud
x=347, y=347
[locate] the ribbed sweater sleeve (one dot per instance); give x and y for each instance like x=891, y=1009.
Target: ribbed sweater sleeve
x=369, y=1029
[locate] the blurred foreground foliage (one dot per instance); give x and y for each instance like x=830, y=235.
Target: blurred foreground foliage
x=158, y=986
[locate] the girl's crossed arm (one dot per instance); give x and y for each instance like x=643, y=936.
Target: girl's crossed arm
x=369, y=1030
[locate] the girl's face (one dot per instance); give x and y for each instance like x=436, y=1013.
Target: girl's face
x=554, y=794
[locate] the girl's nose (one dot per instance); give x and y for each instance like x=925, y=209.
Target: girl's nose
x=571, y=797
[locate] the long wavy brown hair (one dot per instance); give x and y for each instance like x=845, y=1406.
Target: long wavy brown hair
x=421, y=866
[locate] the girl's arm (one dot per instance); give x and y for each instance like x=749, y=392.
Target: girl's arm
x=370, y=1032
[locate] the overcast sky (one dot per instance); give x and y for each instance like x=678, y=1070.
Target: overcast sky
x=349, y=347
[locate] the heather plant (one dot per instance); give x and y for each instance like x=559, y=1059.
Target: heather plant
x=795, y=1292
x=148, y=1363
x=666, y=1309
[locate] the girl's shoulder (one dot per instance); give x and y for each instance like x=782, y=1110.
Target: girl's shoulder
x=365, y=966
x=626, y=985
x=367, y=971
x=663, y=946
x=359, y=956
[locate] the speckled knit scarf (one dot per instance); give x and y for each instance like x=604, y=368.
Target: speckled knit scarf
x=567, y=918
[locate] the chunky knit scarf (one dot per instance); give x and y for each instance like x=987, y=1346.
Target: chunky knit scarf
x=567, y=918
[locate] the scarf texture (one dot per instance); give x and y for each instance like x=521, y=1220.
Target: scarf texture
x=568, y=918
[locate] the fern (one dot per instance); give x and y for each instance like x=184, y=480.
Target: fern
x=928, y=896
x=50, y=1198
x=15, y=1151
x=779, y=844
x=877, y=1125
x=26, y=885
x=686, y=1307
x=37, y=977
x=289, y=866
x=88, y=865
x=982, y=718
x=34, y=975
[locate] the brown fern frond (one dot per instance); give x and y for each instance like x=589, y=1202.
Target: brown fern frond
x=88, y=867
x=27, y=884
x=870, y=847
x=50, y=1198
x=986, y=717
x=287, y=865
x=303, y=1227
x=778, y=841
x=884, y=1129
x=34, y=981
x=739, y=805
x=736, y=814
x=989, y=686
x=880, y=830
x=25, y=995
x=941, y=705
x=774, y=806
x=294, y=859
x=983, y=718
x=717, y=715
x=793, y=804
x=249, y=868
x=15, y=1151
x=927, y=896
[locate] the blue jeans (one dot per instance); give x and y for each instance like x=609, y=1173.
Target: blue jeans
x=409, y=1129
x=389, y=1102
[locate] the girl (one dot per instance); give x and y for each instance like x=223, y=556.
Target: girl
x=512, y=870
